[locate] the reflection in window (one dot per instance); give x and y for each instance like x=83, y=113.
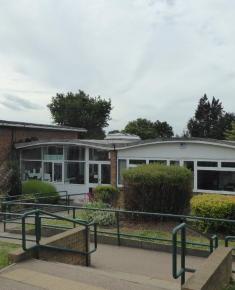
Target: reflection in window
x=31, y=154
x=137, y=161
x=93, y=173
x=98, y=155
x=207, y=164
x=31, y=170
x=74, y=172
x=105, y=174
x=122, y=164
x=164, y=162
x=47, y=171
x=53, y=153
x=174, y=162
x=189, y=165
x=75, y=153
x=228, y=164
x=216, y=180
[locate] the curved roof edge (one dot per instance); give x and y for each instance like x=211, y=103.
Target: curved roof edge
x=105, y=145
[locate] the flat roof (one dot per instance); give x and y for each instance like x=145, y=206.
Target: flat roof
x=16, y=124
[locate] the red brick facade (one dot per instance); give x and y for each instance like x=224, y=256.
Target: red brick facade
x=11, y=135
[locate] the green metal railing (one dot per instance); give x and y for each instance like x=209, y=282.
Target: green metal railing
x=183, y=269
x=38, y=226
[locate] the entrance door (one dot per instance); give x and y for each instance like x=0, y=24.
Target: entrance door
x=99, y=173
x=53, y=171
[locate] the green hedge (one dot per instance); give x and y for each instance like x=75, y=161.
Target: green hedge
x=214, y=206
x=106, y=193
x=157, y=188
x=41, y=191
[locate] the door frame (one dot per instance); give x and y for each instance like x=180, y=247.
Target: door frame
x=99, y=163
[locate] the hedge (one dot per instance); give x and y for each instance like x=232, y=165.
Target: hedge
x=214, y=206
x=157, y=188
x=106, y=193
x=40, y=191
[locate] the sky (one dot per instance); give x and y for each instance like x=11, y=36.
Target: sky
x=153, y=58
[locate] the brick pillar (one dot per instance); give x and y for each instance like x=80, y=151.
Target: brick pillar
x=113, y=161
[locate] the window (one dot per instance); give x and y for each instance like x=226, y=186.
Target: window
x=174, y=162
x=137, y=162
x=47, y=172
x=31, y=154
x=189, y=165
x=98, y=155
x=53, y=153
x=105, y=174
x=158, y=161
x=228, y=164
x=75, y=153
x=31, y=170
x=121, y=166
x=207, y=164
x=216, y=180
x=74, y=172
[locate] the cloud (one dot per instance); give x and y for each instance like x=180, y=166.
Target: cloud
x=17, y=103
x=153, y=58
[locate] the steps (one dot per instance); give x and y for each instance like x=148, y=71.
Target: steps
x=56, y=276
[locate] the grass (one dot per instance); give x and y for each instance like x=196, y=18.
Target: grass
x=231, y=287
x=5, y=248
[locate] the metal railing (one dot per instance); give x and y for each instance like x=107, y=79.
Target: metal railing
x=39, y=214
x=120, y=215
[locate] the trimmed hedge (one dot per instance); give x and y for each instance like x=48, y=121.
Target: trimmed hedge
x=157, y=188
x=214, y=206
x=40, y=191
x=106, y=193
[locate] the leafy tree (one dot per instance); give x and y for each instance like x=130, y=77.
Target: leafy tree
x=210, y=120
x=147, y=129
x=81, y=110
x=230, y=134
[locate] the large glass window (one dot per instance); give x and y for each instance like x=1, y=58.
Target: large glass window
x=31, y=170
x=228, y=164
x=93, y=173
x=137, y=161
x=75, y=153
x=31, y=154
x=189, y=165
x=122, y=164
x=74, y=172
x=174, y=162
x=216, y=180
x=98, y=155
x=53, y=153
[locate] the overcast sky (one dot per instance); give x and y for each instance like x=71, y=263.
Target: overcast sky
x=153, y=58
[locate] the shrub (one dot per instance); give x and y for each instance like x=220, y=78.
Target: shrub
x=213, y=206
x=102, y=218
x=106, y=193
x=157, y=188
x=40, y=191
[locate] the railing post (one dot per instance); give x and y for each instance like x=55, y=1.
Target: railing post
x=87, y=245
x=183, y=253
x=118, y=228
x=23, y=234
x=95, y=235
x=37, y=227
x=74, y=216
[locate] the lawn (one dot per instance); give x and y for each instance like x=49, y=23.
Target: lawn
x=5, y=248
x=231, y=287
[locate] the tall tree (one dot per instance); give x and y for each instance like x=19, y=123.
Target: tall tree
x=147, y=129
x=230, y=134
x=81, y=110
x=210, y=120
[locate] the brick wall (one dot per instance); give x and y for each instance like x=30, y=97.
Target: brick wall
x=9, y=136
x=113, y=161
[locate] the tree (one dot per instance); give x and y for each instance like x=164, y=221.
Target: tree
x=210, y=120
x=230, y=134
x=81, y=110
x=147, y=129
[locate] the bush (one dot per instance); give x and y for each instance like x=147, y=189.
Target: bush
x=41, y=191
x=106, y=193
x=214, y=206
x=157, y=188
x=102, y=218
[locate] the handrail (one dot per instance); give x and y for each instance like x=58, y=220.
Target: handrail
x=37, y=213
x=182, y=229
